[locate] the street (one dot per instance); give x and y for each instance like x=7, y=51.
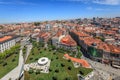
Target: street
x=105, y=71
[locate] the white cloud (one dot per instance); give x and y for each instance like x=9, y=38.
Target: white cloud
x=89, y=8
x=98, y=9
x=107, y=2
x=101, y=9
x=19, y=3
x=5, y=3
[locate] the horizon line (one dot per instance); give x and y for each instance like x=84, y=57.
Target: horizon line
x=53, y=20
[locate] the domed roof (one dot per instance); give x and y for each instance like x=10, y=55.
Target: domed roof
x=43, y=61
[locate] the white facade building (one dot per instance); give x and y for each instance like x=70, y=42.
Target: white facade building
x=7, y=42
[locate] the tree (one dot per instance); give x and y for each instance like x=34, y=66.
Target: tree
x=52, y=59
x=30, y=71
x=56, y=57
x=56, y=70
x=36, y=59
x=69, y=60
x=37, y=71
x=50, y=70
x=81, y=72
x=32, y=53
x=78, y=48
x=49, y=49
x=1, y=61
x=54, y=53
x=62, y=65
x=31, y=58
x=8, y=53
x=5, y=63
x=40, y=51
x=37, y=23
x=13, y=60
x=69, y=68
x=67, y=78
x=53, y=47
x=54, y=78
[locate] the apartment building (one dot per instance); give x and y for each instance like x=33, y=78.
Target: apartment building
x=6, y=42
x=97, y=49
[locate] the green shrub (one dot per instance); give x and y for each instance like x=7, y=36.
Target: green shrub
x=13, y=60
x=62, y=65
x=69, y=68
x=1, y=61
x=31, y=58
x=36, y=59
x=37, y=72
x=8, y=53
x=5, y=63
x=69, y=60
x=57, y=71
x=51, y=59
x=30, y=71
x=54, y=78
x=56, y=57
x=50, y=50
x=81, y=72
x=50, y=70
x=67, y=78
x=54, y=53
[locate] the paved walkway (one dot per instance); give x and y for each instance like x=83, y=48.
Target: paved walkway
x=14, y=74
x=29, y=47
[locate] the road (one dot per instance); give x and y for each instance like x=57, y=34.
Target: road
x=105, y=71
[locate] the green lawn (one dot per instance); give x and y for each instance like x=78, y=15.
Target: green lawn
x=24, y=51
x=78, y=55
x=56, y=60
x=11, y=61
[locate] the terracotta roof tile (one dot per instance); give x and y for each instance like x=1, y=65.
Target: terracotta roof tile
x=67, y=40
x=80, y=34
x=5, y=38
x=81, y=61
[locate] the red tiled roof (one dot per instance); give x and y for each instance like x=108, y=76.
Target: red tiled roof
x=81, y=61
x=115, y=29
x=59, y=33
x=26, y=32
x=80, y=34
x=5, y=38
x=90, y=40
x=44, y=35
x=67, y=40
x=101, y=45
x=114, y=49
x=109, y=32
x=104, y=46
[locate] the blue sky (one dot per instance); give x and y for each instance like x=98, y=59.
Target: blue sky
x=40, y=10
